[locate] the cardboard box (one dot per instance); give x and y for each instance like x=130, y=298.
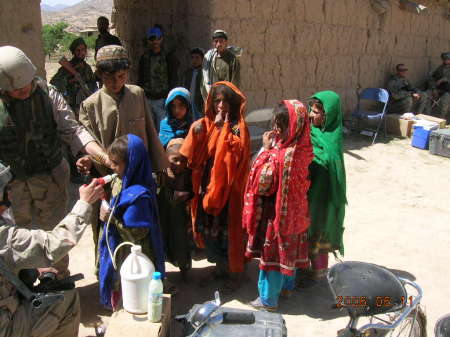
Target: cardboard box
x=397, y=126
x=440, y=121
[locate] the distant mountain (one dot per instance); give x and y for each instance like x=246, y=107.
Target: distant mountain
x=54, y=8
x=80, y=16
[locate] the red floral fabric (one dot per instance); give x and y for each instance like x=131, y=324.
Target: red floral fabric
x=276, y=215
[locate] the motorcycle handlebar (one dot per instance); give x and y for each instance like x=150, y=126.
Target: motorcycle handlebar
x=238, y=318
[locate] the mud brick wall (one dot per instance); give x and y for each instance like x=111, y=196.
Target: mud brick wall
x=296, y=47
x=20, y=26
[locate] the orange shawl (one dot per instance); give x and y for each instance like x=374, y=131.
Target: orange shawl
x=228, y=174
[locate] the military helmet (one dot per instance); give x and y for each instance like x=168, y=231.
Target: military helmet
x=5, y=178
x=445, y=56
x=16, y=69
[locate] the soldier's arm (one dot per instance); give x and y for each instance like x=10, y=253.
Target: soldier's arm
x=23, y=248
x=435, y=77
x=71, y=132
x=38, y=248
x=396, y=90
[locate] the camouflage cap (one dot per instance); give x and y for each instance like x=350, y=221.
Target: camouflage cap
x=112, y=52
x=219, y=33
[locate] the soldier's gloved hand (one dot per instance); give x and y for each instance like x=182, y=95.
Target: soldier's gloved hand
x=92, y=192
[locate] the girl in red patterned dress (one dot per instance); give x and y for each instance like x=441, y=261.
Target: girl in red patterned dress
x=276, y=215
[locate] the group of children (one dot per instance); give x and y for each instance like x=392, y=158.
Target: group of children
x=203, y=189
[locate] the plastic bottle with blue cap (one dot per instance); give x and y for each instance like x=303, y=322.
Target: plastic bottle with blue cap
x=155, y=298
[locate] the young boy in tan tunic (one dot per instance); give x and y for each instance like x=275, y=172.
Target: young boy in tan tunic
x=118, y=109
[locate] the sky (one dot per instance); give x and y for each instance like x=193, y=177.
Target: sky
x=56, y=2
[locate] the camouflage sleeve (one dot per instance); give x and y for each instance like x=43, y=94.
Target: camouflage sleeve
x=397, y=90
x=71, y=132
x=435, y=76
x=37, y=248
x=59, y=80
x=91, y=81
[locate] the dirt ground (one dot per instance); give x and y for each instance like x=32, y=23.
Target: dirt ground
x=398, y=216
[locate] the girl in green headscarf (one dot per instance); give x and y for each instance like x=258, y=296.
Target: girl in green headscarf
x=327, y=194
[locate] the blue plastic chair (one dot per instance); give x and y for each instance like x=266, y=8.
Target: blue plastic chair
x=376, y=95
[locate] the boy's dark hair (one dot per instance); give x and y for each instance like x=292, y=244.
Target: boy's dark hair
x=230, y=96
x=112, y=66
x=119, y=148
x=280, y=115
x=102, y=18
x=197, y=51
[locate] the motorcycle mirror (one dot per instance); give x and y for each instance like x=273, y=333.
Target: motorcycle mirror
x=204, y=311
x=442, y=327
x=217, y=297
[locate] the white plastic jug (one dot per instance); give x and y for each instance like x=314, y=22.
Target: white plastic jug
x=135, y=274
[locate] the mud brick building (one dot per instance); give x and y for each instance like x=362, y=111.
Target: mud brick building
x=292, y=48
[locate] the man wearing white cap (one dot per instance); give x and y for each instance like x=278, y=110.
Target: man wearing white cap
x=220, y=63
x=34, y=121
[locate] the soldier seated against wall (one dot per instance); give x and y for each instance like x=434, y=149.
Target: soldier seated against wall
x=439, y=84
x=403, y=97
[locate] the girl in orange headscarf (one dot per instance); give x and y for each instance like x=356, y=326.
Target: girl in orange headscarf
x=218, y=152
x=276, y=214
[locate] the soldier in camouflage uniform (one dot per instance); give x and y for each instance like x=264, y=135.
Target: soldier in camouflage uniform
x=24, y=249
x=157, y=73
x=66, y=83
x=440, y=86
x=34, y=122
x=402, y=95
x=219, y=64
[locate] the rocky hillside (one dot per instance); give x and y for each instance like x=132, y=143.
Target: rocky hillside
x=81, y=15
x=55, y=8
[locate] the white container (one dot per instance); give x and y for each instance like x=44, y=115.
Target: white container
x=155, y=298
x=135, y=276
